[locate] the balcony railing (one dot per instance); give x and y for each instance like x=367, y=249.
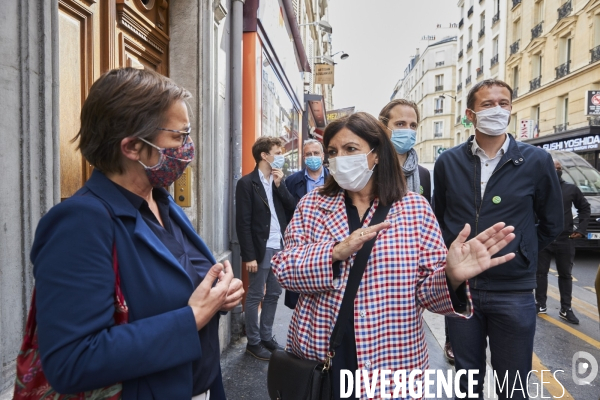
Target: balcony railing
x=494, y=61
x=496, y=18
x=470, y=45
x=594, y=121
x=537, y=31
x=438, y=134
x=459, y=87
x=535, y=83
x=470, y=12
x=438, y=111
x=595, y=54
x=561, y=127
x=481, y=33
x=515, y=93
x=565, y=10
x=516, y=3
x=439, y=88
x=460, y=54
x=479, y=71
x=461, y=23
x=562, y=70
x=439, y=64
x=514, y=48
x=468, y=80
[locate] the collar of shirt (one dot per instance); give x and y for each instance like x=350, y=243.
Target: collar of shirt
x=479, y=151
x=263, y=179
x=314, y=180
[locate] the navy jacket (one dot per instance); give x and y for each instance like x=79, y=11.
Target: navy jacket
x=524, y=185
x=80, y=347
x=296, y=184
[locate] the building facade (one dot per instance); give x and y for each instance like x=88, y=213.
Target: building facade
x=429, y=81
x=553, y=61
x=480, y=52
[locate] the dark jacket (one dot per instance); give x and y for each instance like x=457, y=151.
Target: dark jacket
x=296, y=184
x=253, y=216
x=425, y=178
x=80, y=346
x=523, y=185
x=572, y=195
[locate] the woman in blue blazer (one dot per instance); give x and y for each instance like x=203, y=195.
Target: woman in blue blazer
x=135, y=132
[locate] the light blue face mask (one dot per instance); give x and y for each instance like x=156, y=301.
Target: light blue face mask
x=403, y=140
x=313, y=163
x=278, y=161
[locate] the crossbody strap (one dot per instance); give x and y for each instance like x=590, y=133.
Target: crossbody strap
x=356, y=273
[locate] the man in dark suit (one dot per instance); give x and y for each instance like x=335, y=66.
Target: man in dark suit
x=302, y=182
x=261, y=203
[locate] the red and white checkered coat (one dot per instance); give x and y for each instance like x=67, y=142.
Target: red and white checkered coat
x=405, y=274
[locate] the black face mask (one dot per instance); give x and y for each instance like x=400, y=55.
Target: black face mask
x=559, y=173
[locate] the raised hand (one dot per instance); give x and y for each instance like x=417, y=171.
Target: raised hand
x=277, y=176
x=209, y=298
x=353, y=243
x=468, y=259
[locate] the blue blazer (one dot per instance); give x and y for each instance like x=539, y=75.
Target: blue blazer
x=80, y=347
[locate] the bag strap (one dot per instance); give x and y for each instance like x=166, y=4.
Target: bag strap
x=356, y=273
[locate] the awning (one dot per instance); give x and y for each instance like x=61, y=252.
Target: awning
x=316, y=116
x=578, y=139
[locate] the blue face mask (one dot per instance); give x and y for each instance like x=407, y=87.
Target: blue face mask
x=313, y=163
x=403, y=140
x=278, y=161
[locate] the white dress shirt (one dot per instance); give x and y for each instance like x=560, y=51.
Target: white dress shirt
x=488, y=165
x=274, y=241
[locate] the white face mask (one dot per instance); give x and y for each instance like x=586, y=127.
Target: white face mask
x=493, y=121
x=351, y=172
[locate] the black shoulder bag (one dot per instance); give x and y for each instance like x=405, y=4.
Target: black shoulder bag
x=292, y=378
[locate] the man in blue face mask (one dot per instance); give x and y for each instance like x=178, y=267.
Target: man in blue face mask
x=262, y=200
x=302, y=182
x=490, y=178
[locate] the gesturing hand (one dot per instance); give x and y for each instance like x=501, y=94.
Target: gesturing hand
x=353, y=243
x=468, y=259
x=207, y=299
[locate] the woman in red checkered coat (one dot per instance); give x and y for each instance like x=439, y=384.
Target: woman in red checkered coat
x=409, y=268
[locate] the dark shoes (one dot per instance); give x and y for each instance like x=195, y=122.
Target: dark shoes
x=258, y=351
x=541, y=308
x=568, y=316
x=271, y=345
x=448, y=353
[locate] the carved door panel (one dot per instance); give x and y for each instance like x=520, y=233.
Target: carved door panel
x=76, y=59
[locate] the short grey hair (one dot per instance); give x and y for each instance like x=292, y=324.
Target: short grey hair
x=312, y=141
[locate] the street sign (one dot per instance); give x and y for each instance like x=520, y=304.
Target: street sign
x=527, y=127
x=592, y=105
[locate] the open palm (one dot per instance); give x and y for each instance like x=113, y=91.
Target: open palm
x=467, y=259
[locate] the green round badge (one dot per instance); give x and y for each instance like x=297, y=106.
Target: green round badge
x=496, y=199
x=420, y=189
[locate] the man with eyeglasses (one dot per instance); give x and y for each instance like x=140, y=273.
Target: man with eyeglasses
x=302, y=182
x=563, y=250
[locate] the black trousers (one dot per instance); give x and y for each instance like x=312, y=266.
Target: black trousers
x=563, y=251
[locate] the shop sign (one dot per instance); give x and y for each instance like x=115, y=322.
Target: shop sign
x=592, y=106
x=527, y=127
x=585, y=143
x=339, y=113
x=323, y=74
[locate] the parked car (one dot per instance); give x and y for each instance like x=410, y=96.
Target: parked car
x=578, y=171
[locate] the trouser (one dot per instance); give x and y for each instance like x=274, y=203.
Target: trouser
x=256, y=294
x=563, y=251
x=598, y=288
x=508, y=320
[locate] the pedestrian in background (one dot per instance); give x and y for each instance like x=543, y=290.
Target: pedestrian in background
x=563, y=250
x=302, y=182
x=135, y=131
x=262, y=200
x=409, y=268
x=488, y=178
x=401, y=117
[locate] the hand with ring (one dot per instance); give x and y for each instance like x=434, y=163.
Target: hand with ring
x=356, y=240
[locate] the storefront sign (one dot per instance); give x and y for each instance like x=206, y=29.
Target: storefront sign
x=526, y=129
x=585, y=143
x=323, y=74
x=592, y=106
x=339, y=113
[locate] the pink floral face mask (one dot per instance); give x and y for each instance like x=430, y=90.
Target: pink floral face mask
x=171, y=164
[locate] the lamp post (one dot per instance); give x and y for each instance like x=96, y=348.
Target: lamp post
x=322, y=24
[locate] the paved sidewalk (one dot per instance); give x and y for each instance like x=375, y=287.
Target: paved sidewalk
x=246, y=377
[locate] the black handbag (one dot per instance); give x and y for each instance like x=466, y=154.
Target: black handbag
x=292, y=378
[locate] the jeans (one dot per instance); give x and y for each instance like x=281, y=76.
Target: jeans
x=508, y=320
x=256, y=294
x=563, y=251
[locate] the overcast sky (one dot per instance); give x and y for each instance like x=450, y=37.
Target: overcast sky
x=380, y=36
